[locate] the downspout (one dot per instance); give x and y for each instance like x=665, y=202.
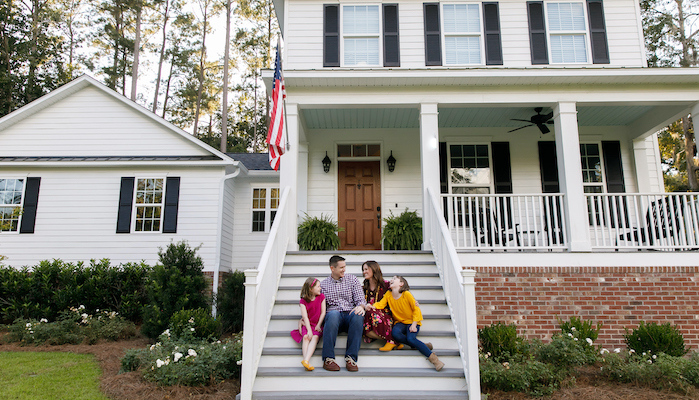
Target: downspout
x=217, y=269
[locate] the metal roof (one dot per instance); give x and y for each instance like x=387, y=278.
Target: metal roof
x=107, y=158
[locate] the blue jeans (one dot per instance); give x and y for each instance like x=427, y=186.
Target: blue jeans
x=342, y=321
x=401, y=333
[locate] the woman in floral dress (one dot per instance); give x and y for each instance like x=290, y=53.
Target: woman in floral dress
x=377, y=323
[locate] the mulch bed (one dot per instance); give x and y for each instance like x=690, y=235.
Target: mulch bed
x=588, y=385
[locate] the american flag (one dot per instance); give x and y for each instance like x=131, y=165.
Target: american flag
x=275, y=134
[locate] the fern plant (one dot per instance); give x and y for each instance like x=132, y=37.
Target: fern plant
x=403, y=232
x=318, y=233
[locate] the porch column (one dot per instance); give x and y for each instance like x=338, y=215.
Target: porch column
x=429, y=162
x=289, y=169
x=302, y=183
x=570, y=176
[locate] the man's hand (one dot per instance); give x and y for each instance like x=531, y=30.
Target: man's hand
x=359, y=310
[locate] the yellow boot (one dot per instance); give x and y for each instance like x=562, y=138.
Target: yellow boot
x=388, y=346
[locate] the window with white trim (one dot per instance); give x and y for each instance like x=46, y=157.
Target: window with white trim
x=11, y=190
x=591, y=159
x=265, y=202
x=462, y=31
x=567, y=32
x=361, y=33
x=148, y=205
x=469, y=169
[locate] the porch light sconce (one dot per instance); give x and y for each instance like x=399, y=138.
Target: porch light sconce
x=326, y=163
x=391, y=161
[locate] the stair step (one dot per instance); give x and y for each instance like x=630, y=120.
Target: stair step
x=422, y=333
x=365, y=372
x=412, y=287
x=420, y=295
x=364, y=395
x=296, y=317
x=282, y=339
x=413, y=359
x=407, y=352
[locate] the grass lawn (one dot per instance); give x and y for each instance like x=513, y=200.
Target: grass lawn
x=27, y=375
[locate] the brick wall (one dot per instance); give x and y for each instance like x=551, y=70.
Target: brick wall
x=209, y=276
x=618, y=297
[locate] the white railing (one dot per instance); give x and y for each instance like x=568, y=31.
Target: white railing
x=660, y=221
x=459, y=290
x=506, y=221
x=260, y=292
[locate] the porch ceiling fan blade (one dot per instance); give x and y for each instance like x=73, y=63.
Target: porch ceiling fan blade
x=523, y=120
x=521, y=127
x=543, y=128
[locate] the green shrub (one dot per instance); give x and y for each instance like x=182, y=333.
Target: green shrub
x=656, y=338
x=526, y=376
x=657, y=371
x=580, y=329
x=568, y=351
x=318, y=233
x=198, y=322
x=501, y=343
x=230, y=302
x=403, y=232
x=186, y=361
x=176, y=283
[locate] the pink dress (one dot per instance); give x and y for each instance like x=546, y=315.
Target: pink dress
x=313, y=309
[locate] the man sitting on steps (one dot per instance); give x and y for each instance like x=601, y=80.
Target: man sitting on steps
x=345, y=313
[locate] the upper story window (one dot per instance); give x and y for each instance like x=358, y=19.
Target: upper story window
x=465, y=33
x=469, y=169
x=10, y=204
x=265, y=202
x=567, y=32
x=360, y=35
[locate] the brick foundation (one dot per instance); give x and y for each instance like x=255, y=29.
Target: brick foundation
x=209, y=276
x=618, y=297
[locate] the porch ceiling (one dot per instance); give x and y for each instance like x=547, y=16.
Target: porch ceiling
x=463, y=117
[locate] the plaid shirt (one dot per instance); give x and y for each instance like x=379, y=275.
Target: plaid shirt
x=343, y=294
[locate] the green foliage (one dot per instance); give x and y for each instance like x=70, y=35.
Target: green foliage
x=501, y=343
x=199, y=323
x=176, y=283
x=51, y=287
x=230, y=302
x=318, y=233
x=580, y=329
x=657, y=339
x=403, y=232
x=568, y=351
x=658, y=371
x=186, y=361
x=526, y=376
x=73, y=327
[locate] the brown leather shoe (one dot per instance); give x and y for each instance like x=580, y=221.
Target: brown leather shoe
x=330, y=365
x=351, y=365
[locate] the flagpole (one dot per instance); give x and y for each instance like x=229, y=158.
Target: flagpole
x=286, y=114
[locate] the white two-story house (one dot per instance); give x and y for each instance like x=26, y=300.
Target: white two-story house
x=523, y=133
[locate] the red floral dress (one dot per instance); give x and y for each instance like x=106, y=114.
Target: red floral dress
x=379, y=321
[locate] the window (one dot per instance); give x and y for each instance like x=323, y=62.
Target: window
x=148, y=204
x=265, y=202
x=462, y=34
x=10, y=204
x=591, y=168
x=360, y=35
x=567, y=32
x=469, y=169
x=358, y=150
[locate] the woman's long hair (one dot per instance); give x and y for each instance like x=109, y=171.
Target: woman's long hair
x=376, y=271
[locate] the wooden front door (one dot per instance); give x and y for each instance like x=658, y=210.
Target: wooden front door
x=359, y=205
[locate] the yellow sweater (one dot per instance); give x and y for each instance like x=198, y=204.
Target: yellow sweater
x=402, y=308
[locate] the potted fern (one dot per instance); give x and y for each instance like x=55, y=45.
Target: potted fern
x=318, y=233
x=403, y=232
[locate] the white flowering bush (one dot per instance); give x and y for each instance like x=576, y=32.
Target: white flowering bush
x=186, y=360
x=72, y=327
x=573, y=347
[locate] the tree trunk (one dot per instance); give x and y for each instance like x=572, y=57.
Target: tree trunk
x=167, y=87
x=226, y=58
x=202, y=62
x=33, y=51
x=689, y=155
x=136, y=52
x=162, y=55
x=6, y=53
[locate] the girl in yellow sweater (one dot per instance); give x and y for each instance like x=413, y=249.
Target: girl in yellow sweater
x=407, y=317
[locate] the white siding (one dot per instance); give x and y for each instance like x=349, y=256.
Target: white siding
x=304, y=35
x=91, y=123
x=247, y=245
x=227, y=221
x=77, y=214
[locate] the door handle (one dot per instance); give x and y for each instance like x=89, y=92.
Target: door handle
x=378, y=220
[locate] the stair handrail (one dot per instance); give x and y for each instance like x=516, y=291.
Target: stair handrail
x=459, y=290
x=260, y=292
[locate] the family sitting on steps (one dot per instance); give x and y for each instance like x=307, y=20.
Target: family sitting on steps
x=341, y=304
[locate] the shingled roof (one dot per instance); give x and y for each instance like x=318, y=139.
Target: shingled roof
x=253, y=161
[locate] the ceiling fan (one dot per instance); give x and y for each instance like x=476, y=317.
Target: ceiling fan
x=540, y=120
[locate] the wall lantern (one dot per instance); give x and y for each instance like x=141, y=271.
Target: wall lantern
x=391, y=161
x=326, y=163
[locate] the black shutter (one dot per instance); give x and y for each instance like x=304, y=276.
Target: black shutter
x=502, y=171
x=537, y=32
x=548, y=165
x=125, y=205
x=391, y=44
x=598, y=32
x=493, y=43
x=172, y=198
x=443, y=177
x=614, y=172
x=331, y=35
x=31, y=200
x=433, y=43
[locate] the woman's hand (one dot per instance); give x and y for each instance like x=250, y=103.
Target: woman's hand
x=368, y=307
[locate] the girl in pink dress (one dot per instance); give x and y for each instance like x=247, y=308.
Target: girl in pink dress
x=312, y=305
